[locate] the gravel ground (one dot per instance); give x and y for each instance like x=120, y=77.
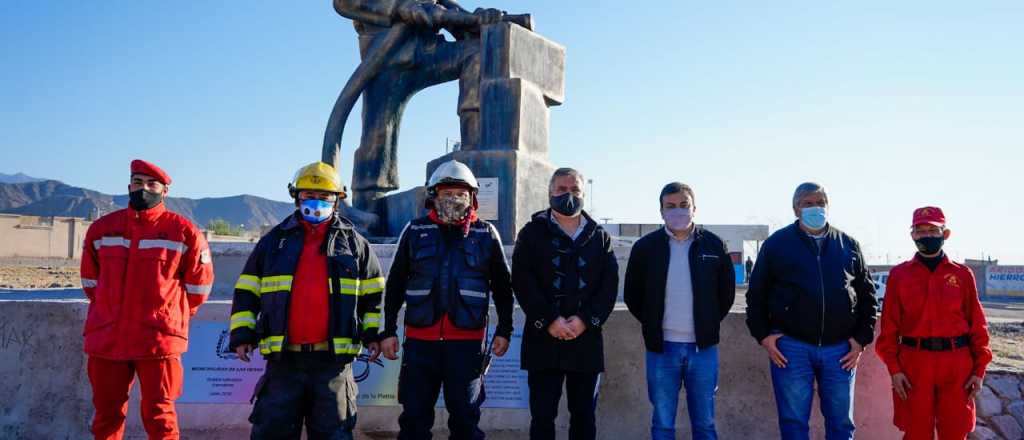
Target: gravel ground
x=1007, y=346
x=39, y=274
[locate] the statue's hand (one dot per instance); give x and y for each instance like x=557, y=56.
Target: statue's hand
x=417, y=14
x=488, y=15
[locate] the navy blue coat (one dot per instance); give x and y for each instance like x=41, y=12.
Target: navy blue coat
x=820, y=297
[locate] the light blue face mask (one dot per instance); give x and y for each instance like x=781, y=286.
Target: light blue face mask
x=316, y=211
x=814, y=217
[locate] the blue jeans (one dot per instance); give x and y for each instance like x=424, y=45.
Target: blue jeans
x=794, y=388
x=667, y=371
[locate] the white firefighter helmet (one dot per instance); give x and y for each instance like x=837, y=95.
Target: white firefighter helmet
x=452, y=172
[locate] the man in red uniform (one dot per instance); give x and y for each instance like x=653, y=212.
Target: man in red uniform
x=145, y=270
x=934, y=339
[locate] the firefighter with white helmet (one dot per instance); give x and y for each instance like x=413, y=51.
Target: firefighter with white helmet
x=447, y=267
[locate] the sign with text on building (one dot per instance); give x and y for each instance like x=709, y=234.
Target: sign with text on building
x=215, y=375
x=1004, y=280
x=487, y=198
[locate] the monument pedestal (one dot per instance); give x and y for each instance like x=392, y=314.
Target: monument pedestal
x=522, y=74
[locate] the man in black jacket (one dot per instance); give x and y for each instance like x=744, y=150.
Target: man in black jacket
x=565, y=277
x=811, y=305
x=680, y=284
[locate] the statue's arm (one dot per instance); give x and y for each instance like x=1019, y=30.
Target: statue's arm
x=453, y=5
x=376, y=12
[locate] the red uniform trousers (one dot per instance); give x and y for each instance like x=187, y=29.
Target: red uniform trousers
x=937, y=398
x=111, y=380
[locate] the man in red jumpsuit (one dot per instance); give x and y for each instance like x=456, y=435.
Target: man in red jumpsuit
x=933, y=339
x=145, y=270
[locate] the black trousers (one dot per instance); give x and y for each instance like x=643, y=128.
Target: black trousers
x=546, y=392
x=427, y=366
x=308, y=388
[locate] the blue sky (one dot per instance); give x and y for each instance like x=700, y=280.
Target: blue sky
x=891, y=105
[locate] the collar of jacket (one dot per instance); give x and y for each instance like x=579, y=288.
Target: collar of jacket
x=148, y=215
x=697, y=234
x=917, y=260
x=585, y=236
x=339, y=225
x=337, y=222
x=828, y=234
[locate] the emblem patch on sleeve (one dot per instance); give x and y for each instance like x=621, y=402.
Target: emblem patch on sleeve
x=204, y=257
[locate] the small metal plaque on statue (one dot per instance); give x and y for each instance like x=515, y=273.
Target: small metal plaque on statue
x=487, y=198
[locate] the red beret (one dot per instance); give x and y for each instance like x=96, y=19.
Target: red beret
x=929, y=215
x=140, y=166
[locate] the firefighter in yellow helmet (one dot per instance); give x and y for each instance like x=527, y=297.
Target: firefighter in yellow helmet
x=309, y=298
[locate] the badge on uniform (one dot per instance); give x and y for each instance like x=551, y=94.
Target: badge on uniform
x=952, y=280
x=204, y=257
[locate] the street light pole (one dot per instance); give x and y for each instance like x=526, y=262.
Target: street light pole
x=593, y=205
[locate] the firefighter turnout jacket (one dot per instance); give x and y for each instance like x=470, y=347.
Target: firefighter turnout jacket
x=259, y=312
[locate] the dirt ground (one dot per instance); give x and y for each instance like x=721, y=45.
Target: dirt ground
x=1007, y=346
x=39, y=274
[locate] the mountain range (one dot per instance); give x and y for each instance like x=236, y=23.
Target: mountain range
x=17, y=178
x=44, y=197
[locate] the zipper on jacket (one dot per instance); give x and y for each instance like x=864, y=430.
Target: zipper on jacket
x=446, y=267
x=821, y=279
x=440, y=334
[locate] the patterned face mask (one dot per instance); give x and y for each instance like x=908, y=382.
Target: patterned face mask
x=452, y=209
x=316, y=211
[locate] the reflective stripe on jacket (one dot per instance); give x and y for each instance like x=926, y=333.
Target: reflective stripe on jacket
x=145, y=274
x=259, y=311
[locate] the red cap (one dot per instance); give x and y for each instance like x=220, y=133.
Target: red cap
x=140, y=166
x=929, y=215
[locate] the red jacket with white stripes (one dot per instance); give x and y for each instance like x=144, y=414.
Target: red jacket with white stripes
x=145, y=273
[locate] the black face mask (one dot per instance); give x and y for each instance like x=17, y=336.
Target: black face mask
x=141, y=200
x=929, y=245
x=567, y=204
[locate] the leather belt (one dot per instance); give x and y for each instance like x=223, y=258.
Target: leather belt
x=936, y=344
x=306, y=348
